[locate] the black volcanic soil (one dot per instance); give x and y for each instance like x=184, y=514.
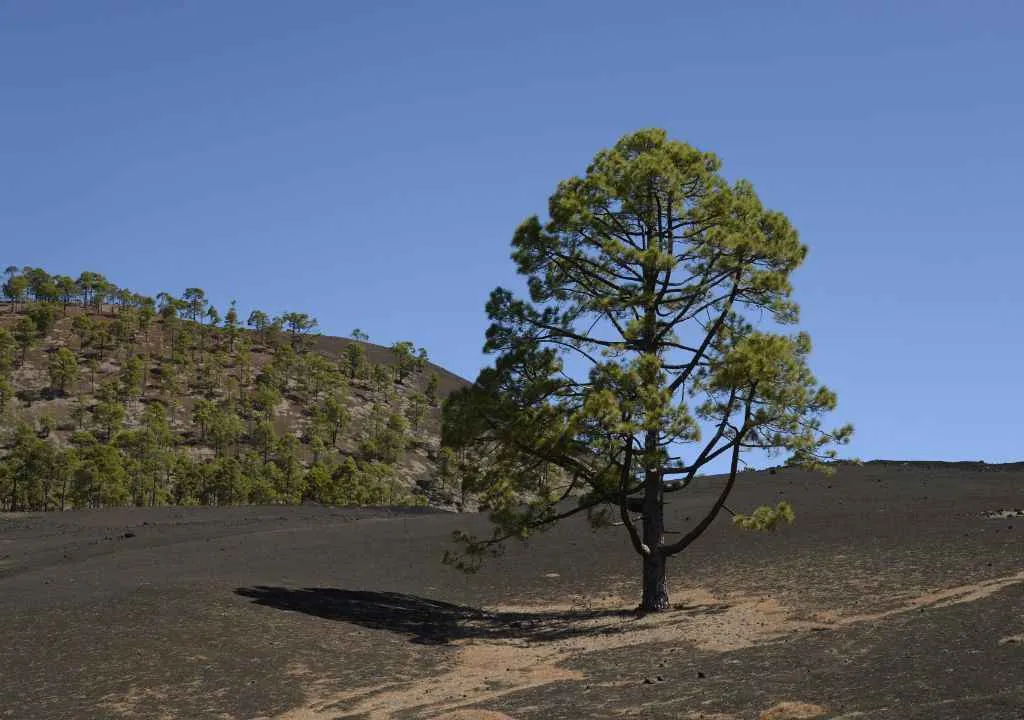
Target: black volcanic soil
x=891, y=597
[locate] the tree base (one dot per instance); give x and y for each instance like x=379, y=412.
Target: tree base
x=655, y=597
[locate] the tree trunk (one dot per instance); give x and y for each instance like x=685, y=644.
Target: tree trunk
x=655, y=596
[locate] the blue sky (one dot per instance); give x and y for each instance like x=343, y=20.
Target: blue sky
x=368, y=162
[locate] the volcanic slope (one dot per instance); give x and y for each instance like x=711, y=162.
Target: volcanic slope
x=210, y=414
x=898, y=593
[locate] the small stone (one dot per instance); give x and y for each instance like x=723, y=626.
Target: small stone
x=701, y=675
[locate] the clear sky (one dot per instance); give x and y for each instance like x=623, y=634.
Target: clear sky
x=368, y=162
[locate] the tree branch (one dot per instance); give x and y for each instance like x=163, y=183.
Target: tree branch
x=627, y=464
x=708, y=337
x=704, y=524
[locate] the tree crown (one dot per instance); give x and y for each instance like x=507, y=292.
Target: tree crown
x=641, y=348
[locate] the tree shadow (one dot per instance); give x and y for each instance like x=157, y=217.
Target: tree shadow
x=434, y=622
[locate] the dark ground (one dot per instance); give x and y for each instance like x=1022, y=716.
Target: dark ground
x=274, y=611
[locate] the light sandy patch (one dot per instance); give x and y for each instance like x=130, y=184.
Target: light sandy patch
x=793, y=711
x=487, y=669
x=933, y=600
x=646, y=709
x=473, y=714
x=482, y=672
x=1012, y=639
x=1004, y=514
x=134, y=701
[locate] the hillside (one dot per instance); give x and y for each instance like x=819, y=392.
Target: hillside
x=110, y=398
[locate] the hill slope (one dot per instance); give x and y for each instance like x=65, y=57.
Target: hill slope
x=140, y=402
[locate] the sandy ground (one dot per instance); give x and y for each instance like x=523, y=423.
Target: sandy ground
x=899, y=593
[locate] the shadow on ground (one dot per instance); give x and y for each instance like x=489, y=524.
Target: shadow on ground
x=433, y=622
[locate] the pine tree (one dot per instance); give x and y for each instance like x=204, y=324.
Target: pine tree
x=8, y=352
x=132, y=378
x=636, y=360
x=415, y=410
x=405, y=359
x=231, y=325
x=356, y=357
x=14, y=290
x=63, y=369
x=25, y=335
x=431, y=391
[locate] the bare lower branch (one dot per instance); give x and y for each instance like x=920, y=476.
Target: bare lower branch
x=627, y=464
x=704, y=524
